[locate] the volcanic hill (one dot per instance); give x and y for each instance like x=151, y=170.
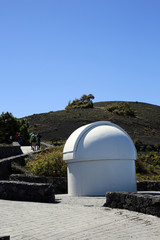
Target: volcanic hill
x=143, y=125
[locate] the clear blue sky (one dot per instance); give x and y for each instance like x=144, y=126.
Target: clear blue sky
x=53, y=51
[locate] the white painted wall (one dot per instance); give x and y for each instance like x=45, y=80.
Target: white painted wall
x=98, y=177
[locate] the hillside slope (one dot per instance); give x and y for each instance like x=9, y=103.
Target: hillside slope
x=145, y=126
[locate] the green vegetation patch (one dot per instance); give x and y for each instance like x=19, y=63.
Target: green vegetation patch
x=9, y=126
x=49, y=163
x=148, y=166
x=84, y=102
x=122, y=109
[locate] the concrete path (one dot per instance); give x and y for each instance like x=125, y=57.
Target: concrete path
x=26, y=149
x=46, y=144
x=74, y=218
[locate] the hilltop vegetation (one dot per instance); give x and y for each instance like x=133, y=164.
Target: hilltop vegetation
x=84, y=102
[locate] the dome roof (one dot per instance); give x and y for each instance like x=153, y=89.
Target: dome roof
x=99, y=141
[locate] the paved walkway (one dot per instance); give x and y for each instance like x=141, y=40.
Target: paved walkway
x=74, y=218
x=26, y=149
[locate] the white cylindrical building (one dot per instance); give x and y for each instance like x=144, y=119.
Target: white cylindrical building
x=100, y=158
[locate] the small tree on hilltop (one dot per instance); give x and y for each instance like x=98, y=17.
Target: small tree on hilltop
x=84, y=102
x=86, y=98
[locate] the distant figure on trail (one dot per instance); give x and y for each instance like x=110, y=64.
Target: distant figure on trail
x=16, y=137
x=30, y=135
x=39, y=140
x=11, y=139
x=34, y=142
x=20, y=138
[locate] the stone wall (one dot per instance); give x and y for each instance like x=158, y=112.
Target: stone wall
x=8, y=151
x=148, y=186
x=5, y=164
x=59, y=183
x=143, y=203
x=22, y=191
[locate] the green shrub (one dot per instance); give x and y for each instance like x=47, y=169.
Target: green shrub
x=138, y=144
x=151, y=168
x=84, y=102
x=122, y=109
x=157, y=147
x=140, y=166
x=148, y=166
x=149, y=148
x=151, y=158
x=49, y=163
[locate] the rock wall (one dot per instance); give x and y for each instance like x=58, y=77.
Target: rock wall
x=135, y=202
x=22, y=191
x=148, y=186
x=9, y=151
x=5, y=164
x=59, y=183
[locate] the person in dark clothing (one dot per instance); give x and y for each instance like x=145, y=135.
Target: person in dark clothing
x=20, y=139
x=39, y=140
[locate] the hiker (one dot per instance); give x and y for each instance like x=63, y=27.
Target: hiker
x=39, y=140
x=34, y=142
x=20, y=139
x=10, y=139
x=16, y=137
x=30, y=135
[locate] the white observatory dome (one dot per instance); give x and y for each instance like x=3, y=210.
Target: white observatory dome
x=100, y=157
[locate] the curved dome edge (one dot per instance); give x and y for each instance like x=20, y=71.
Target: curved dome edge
x=71, y=146
x=73, y=140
